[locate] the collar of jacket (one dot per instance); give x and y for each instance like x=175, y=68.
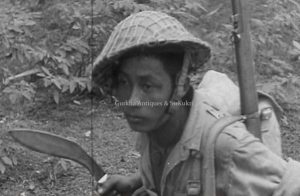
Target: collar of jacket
x=198, y=121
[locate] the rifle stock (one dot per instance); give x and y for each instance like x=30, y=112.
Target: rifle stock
x=245, y=66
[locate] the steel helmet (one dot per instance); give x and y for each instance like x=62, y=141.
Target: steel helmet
x=147, y=29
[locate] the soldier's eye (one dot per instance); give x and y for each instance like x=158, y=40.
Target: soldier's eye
x=122, y=81
x=147, y=86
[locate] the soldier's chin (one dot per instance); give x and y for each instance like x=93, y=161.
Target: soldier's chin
x=142, y=128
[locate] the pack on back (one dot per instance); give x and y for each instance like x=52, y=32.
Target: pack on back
x=223, y=94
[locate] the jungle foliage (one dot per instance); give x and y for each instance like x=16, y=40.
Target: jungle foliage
x=48, y=44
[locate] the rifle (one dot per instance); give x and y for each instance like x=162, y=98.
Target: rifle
x=248, y=95
x=245, y=66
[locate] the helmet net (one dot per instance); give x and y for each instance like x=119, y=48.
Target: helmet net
x=145, y=30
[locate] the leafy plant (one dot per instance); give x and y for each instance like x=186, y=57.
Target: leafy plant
x=18, y=90
x=56, y=49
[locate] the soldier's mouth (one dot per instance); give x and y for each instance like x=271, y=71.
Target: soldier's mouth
x=133, y=118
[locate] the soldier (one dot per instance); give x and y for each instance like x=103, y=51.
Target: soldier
x=144, y=65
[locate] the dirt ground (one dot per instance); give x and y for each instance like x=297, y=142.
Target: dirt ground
x=39, y=174
x=42, y=175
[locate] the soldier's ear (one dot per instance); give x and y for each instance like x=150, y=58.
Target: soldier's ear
x=186, y=85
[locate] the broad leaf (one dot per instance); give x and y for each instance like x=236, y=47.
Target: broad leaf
x=7, y=161
x=46, y=71
x=296, y=44
x=65, y=68
x=56, y=83
x=2, y=168
x=14, y=160
x=56, y=96
x=72, y=86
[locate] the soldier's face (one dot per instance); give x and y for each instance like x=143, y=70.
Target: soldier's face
x=143, y=89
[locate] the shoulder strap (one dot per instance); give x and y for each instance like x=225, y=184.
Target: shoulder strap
x=208, y=149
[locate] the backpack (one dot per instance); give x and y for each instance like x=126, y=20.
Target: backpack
x=222, y=93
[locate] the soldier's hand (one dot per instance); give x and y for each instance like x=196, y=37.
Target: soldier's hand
x=143, y=192
x=116, y=185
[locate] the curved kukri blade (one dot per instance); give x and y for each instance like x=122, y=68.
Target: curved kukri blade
x=55, y=145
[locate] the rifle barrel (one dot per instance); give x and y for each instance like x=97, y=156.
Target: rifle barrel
x=245, y=66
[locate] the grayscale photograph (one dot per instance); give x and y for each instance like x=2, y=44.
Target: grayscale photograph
x=149, y=98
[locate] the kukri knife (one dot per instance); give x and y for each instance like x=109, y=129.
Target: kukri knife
x=58, y=146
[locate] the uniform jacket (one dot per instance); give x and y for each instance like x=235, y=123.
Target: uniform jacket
x=243, y=165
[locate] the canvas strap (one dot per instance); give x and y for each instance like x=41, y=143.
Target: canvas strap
x=208, y=149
